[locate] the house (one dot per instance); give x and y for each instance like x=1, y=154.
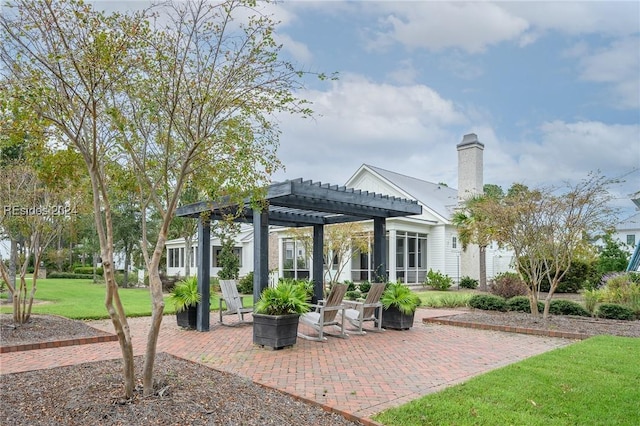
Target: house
x=414, y=244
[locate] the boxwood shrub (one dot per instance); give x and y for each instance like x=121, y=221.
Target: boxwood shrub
x=488, y=302
x=245, y=284
x=567, y=307
x=69, y=275
x=521, y=304
x=87, y=270
x=613, y=311
x=468, y=282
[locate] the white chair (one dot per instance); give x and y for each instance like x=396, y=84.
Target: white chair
x=233, y=302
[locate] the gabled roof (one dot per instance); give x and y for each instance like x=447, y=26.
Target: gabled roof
x=439, y=198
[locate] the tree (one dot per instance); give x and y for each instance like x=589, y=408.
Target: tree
x=475, y=228
x=342, y=242
x=192, y=98
x=612, y=258
x=227, y=260
x=546, y=230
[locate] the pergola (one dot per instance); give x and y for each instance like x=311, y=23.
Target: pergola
x=295, y=203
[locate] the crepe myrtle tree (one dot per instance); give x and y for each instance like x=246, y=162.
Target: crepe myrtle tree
x=181, y=92
x=547, y=227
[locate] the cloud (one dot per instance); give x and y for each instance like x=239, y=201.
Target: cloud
x=440, y=25
x=619, y=65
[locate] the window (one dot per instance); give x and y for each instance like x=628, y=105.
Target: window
x=631, y=240
x=454, y=242
x=175, y=257
x=215, y=254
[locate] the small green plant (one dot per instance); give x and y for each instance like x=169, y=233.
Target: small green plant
x=285, y=298
x=350, y=285
x=591, y=299
x=353, y=295
x=364, y=286
x=567, y=307
x=468, y=282
x=621, y=289
x=401, y=297
x=437, y=280
x=453, y=300
x=245, y=284
x=508, y=285
x=522, y=304
x=185, y=294
x=488, y=302
x=613, y=311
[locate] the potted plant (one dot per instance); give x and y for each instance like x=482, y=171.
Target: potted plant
x=276, y=314
x=400, y=304
x=185, y=298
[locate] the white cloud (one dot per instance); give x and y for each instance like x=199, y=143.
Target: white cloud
x=299, y=51
x=618, y=64
x=440, y=25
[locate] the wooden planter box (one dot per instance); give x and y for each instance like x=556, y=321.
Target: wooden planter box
x=275, y=331
x=188, y=318
x=394, y=319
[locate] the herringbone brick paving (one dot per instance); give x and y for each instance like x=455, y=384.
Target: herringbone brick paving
x=361, y=375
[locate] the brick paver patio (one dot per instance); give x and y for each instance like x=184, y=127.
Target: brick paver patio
x=359, y=376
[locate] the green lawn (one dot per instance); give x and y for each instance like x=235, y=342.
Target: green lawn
x=82, y=299
x=593, y=382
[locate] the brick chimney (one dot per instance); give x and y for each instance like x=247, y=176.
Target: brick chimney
x=470, y=183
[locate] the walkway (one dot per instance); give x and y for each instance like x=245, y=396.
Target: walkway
x=359, y=376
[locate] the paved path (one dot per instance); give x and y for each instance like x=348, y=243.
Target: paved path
x=361, y=375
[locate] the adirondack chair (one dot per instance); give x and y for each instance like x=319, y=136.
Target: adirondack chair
x=233, y=302
x=357, y=313
x=324, y=315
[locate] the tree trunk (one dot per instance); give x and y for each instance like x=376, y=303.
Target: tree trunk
x=125, y=279
x=157, y=309
x=483, y=268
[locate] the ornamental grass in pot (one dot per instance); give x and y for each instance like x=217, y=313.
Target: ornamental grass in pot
x=276, y=314
x=400, y=304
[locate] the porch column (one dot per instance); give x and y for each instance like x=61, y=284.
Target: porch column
x=317, y=263
x=260, y=252
x=204, y=273
x=392, y=256
x=379, y=250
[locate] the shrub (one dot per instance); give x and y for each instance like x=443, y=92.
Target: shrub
x=68, y=275
x=353, y=295
x=522, y=304
x=614, y=311
x=87, y=270
x=621, y=289
x=350, y=285
x=364, y=286
x=468, y=282
x=508, y=285
x=245, y=284
x=437, y=280
x=591, y=299
x=580, y=275
x=567, y=307
x=488, y=302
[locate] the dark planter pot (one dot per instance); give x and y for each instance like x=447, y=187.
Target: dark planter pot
x=188, y=318
x=394, y=319
x=275, y=331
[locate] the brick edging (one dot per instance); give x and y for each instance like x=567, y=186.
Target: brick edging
x=508, y=329
x=59, y=343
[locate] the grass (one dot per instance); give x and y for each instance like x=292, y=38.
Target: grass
x=593, y=382
x=82, y=299
x=444, y=299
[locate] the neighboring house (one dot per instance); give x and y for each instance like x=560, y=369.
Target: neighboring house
x=415, y=244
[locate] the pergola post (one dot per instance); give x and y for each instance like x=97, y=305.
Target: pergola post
x=260, y=252
x=379, y=250
x=318, y=263
x=204, y=263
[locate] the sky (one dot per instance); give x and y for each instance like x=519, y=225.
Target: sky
x=552, y=89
